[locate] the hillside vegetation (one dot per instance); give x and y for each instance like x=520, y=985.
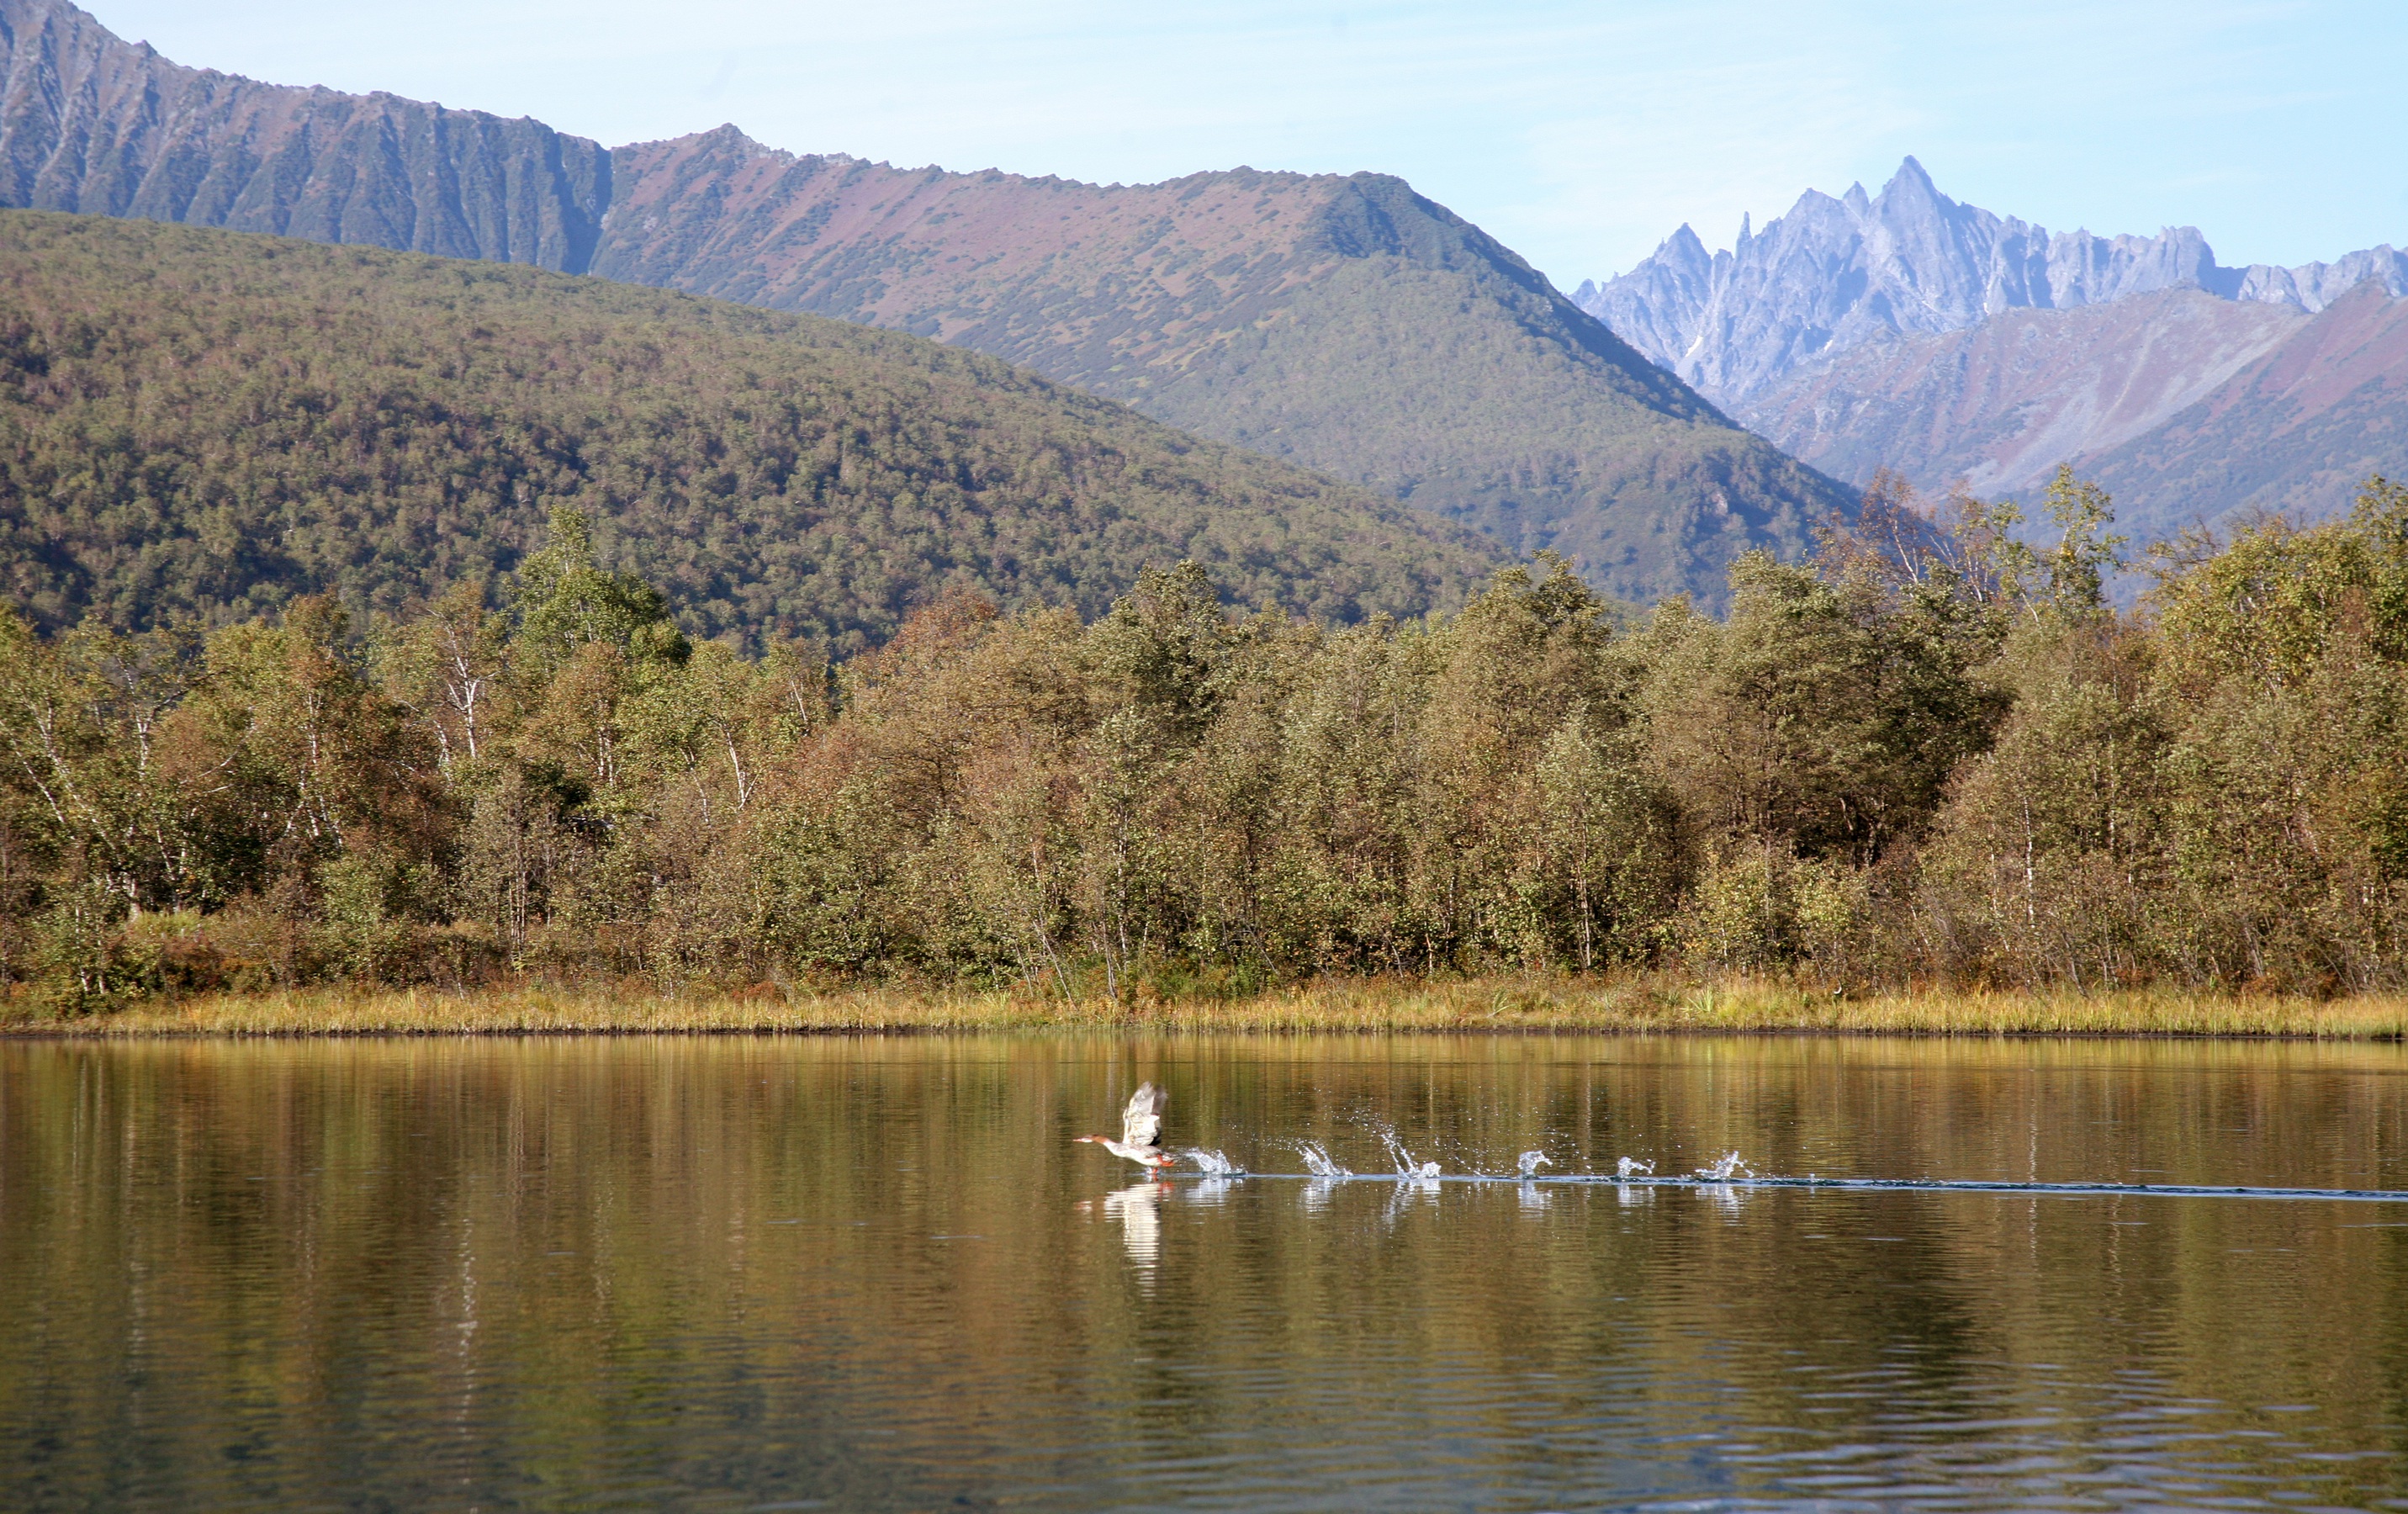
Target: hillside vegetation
x=1934, y=757
x=1342, y=323
x=201, y=423
x=1464, y=392
x=1345, y=323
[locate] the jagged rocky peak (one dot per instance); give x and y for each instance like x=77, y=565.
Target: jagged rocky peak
x=1834, y=272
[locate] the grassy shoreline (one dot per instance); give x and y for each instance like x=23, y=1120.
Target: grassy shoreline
x=1481, y=1005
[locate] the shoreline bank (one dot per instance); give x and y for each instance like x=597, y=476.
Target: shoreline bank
x=1371, y=1006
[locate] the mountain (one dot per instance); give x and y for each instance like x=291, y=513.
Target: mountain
x=2296, y=430
x=1835, y=274
x=1346, y=324
x=2001, y=404
x=92, y=123
x=1910, y=331
x=205, y=423
x=1339, y=321
x=2187, y=407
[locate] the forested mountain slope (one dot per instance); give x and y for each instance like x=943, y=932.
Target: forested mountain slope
x=1346, y=322
x=1343, y=323
x=198, y=421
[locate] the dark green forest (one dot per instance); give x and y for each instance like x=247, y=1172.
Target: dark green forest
x=1935, y=754
x=200, y=426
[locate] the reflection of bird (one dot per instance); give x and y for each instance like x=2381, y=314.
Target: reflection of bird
x=1138, y=1209
x=1140, y=1130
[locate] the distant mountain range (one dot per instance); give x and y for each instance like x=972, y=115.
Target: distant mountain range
x=1909, y=331
x=1342, y=322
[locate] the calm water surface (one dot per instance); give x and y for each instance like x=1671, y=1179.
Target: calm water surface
x=874, y=1273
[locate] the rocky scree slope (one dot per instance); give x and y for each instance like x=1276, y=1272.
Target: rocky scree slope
x=2296, y=430
x=1999, y=404
x=1342, y=323
x=2191, y=407
x=92, y=123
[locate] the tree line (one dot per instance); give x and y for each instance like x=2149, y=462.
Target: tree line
x=1934, y=754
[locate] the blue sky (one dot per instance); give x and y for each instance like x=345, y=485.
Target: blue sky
x=1580, y=134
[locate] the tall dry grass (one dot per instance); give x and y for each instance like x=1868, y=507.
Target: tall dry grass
x=1502, y=1004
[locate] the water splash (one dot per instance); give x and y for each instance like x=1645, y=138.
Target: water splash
x=1318, y=1161
x=1214, y=1163
x=1630, y=1167
x=1532, y=1161
x=1406, y=1166
x=1724, y=1169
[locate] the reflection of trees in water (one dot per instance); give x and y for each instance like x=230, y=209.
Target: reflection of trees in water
x=619, y=1200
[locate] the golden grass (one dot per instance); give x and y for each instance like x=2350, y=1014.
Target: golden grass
x=1500, y=1003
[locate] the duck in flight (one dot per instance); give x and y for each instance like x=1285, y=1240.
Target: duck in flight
x=1140, y=1130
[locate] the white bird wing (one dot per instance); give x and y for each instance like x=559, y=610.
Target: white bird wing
x=1142, y=1121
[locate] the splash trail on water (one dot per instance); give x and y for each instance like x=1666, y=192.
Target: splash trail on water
x=1705, y=1179
x=1317, y=1161
x=1731, y=1172
x=1406, y=1166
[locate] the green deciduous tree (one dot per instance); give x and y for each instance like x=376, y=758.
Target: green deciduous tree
x=1932, y=754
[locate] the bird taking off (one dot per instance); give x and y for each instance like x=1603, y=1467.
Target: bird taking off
x=1140, y=1130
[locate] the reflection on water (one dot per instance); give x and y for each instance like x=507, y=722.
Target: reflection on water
x=1138, y=1209
x=874, y=1273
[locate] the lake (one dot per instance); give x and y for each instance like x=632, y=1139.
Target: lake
x=876, y=1273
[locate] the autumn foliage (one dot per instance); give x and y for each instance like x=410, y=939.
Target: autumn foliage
x=1935, y=755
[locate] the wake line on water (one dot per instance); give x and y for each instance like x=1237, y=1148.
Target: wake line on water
x=1725, y=1173
x=1710, y=1180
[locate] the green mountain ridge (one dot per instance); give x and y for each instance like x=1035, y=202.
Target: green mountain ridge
x=1341, y=321
x=205, y=423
